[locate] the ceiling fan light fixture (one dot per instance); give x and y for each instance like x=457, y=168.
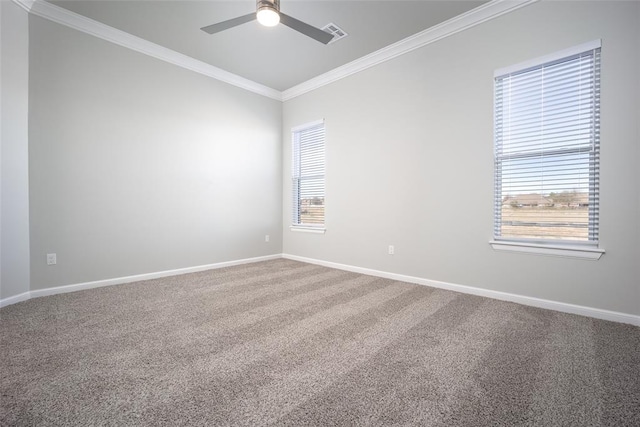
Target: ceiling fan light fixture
x=268, y=17
x=268, y=12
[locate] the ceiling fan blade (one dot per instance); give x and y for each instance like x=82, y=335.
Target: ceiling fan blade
x=306, y=29
x=225, y=25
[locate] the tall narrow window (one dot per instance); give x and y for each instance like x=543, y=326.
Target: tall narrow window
x=547, y=149
x=308, y=176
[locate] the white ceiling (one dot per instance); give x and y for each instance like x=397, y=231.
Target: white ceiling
x=277, y=57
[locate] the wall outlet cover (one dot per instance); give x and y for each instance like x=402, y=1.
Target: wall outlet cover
x=51, y=259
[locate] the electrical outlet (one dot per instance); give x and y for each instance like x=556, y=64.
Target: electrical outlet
x=51, y=259
x=266, y=238
x=392, y=250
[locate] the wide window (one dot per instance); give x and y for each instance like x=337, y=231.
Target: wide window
x=547, y=138
x=308, y=176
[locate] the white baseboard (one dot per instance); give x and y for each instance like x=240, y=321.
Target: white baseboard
x=597, y=313
x=128, y=279
x=15, y=299
x=504, y=296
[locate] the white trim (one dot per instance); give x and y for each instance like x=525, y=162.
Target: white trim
x=462, y=22
x=129, y=279
x=303, y=229
x=25, y=4
x=483, y=13
x=89, y=26
x=583, y=252
x=597, y=313
x=14, y=299
x=575, y=50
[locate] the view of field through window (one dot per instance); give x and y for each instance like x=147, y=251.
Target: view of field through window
x=562, y=216
x=312, y=211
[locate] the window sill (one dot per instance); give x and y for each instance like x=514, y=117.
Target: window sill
x=568, y=251
x=302, y=229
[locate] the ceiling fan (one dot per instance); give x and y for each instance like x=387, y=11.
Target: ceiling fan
x=268, y=14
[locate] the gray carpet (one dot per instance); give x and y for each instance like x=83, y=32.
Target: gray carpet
x=288, y=343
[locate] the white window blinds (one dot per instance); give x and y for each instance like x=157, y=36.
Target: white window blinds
x=547, y=137
x=308, y=175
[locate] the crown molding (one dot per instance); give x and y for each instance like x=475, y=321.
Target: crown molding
x=89, y=26
x=480, y=14
x=483, y=13
x=25, y=4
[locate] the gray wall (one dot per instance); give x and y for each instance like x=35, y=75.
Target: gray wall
x=410, y=160
x=140, y=166
x=14, y=212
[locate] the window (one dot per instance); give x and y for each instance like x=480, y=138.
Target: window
x=308, y=176
x=547, y=136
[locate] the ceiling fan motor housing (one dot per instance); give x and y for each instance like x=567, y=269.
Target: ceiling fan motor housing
x=268, y=4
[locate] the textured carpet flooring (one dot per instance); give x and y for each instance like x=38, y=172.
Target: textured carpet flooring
x=288, y=343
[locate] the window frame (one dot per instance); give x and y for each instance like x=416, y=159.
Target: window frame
x=555, y=247
x=296, y=225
